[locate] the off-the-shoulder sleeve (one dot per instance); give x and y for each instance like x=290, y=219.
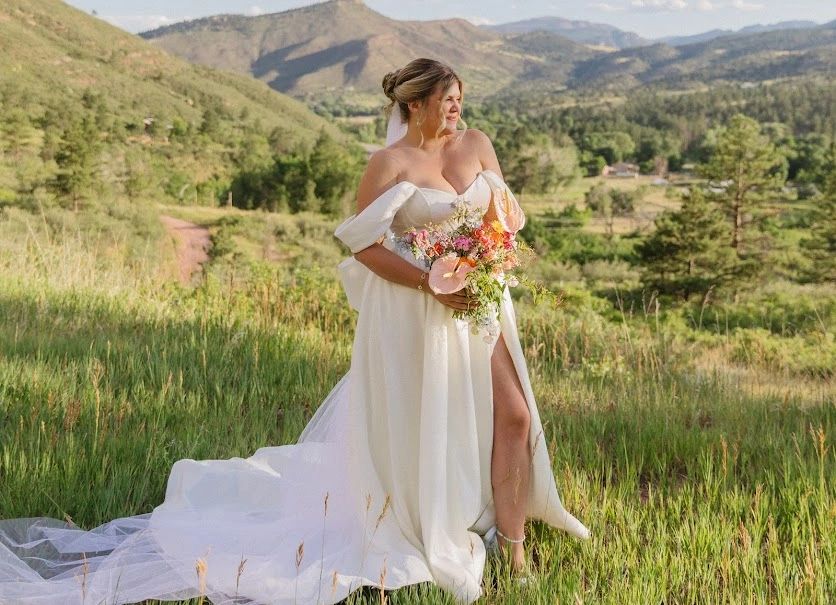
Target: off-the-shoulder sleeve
x=361, y=230
x=507, y=208
x=364, y=228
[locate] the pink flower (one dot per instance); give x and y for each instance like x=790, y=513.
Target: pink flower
x=448, y=274
x=422, y=239
x=462, y=243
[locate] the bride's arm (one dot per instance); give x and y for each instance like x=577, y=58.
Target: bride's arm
x=380, y=175
x=485, y=151
x=508, y=212
x=488, y=160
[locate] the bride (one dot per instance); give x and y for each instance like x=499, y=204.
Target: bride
x=427, y=454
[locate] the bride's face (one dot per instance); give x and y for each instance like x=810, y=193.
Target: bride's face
x=443, y=109
x=451, y=106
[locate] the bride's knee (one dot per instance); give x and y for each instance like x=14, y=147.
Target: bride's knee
x=514, y=422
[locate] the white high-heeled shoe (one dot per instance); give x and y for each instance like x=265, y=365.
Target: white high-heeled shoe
x=491, y=540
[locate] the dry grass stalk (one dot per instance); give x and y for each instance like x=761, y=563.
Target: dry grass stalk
x=85, y=570
x=240, y=572
x=383, y=512
x=365, y=541
x=322, y=548
x=200, y=569
x=383, y=579
x=537, y=442
x=300, y=554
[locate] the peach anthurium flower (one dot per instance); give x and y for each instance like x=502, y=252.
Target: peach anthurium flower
x=509, y=213
x=448, y=274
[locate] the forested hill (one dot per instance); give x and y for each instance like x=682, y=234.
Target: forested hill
x=742, y=58
x=51, y=54
x=92, y=115
x=342, y=48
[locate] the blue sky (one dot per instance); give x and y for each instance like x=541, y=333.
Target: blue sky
x=649, y=18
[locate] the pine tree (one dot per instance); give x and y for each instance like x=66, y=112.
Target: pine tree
x=334, y=171
x=77, y=159
x=688, y=253
x=745, y=167
x=820, y=247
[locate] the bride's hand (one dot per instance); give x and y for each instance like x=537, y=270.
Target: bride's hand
x=461, y=300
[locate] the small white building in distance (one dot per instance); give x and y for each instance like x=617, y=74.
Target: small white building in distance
x=621, y=170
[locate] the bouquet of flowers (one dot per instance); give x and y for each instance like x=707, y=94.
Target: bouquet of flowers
x=468, y=251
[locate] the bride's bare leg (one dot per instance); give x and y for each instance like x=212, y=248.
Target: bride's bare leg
x=510, y=460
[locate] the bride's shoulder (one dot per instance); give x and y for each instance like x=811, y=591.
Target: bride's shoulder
x=381, y=174
x=477, y=139
x=474, y=135
x=483, y=147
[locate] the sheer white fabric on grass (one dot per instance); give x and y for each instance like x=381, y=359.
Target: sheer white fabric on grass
x=389, y=483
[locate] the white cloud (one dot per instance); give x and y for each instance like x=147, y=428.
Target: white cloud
x=480, y=20
x=254, y=11
x=705, y=5
x=607, y=7
x=659, y=5
x=746, y=6
x=138, y=23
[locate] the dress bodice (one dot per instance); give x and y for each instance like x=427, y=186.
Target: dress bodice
x=405, y=205
x=426, y=205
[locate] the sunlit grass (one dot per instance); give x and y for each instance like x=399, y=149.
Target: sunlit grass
x=698, y=486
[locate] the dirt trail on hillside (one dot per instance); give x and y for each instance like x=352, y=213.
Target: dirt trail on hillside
x=192, y=243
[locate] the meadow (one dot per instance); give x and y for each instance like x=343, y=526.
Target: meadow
x=701, y=459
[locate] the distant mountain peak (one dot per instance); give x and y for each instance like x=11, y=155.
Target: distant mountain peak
x=582, y=32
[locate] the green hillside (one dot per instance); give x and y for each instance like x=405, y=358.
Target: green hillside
x=115, y=117
x=99, y=128
x=51, y=51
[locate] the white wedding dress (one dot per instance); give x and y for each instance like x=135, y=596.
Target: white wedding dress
x=389, y=484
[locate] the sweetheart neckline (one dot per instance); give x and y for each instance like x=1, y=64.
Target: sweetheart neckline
x=455, y=194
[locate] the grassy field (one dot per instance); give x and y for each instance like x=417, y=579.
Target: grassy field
x=703, y=467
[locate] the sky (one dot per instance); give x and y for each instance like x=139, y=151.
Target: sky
x=648, y=18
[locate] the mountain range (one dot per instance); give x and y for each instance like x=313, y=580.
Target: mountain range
x=343, y=48
x=602, y=35
x=584, y=32
x=749, y=29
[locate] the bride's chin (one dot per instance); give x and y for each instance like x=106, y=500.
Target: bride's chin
x=449, y=128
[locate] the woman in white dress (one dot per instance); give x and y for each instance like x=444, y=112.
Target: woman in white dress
x=429, y=446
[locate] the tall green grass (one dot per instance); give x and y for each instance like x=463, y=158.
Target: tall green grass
x=700, y=485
